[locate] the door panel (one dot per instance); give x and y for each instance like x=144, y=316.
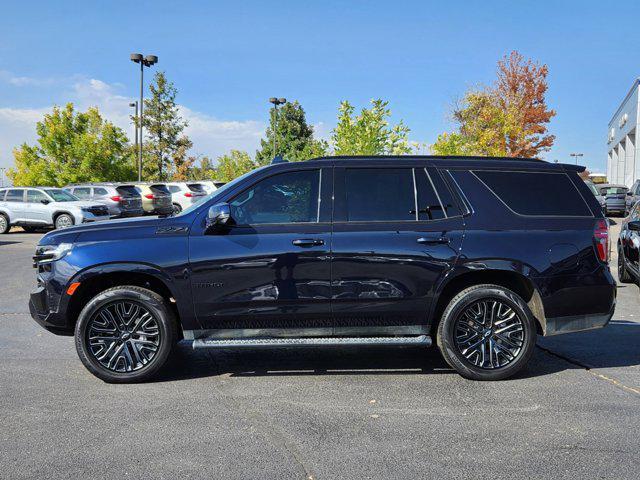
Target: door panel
x=384, y=272
x=35, y=210
x=260, y=274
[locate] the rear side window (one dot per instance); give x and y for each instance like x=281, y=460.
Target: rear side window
x=82, y=192
x=536, y=193
x=375, y=194
x=15, y=195
x=101, y=192
x=173, y=188
x=196, y=187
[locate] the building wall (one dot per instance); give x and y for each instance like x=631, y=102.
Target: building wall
x=623, y=158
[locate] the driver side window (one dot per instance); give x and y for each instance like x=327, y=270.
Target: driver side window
x=290, y=197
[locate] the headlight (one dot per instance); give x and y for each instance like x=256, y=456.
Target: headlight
x=51, y=253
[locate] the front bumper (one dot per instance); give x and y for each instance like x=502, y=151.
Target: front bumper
x=40, y=310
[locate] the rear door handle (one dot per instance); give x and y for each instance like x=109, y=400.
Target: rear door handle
x=308, y=242
x=433, y=240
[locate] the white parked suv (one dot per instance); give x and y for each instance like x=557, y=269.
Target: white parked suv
x=185, y=194
x=34, y=207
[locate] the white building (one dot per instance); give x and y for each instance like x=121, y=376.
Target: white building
x=623, y=158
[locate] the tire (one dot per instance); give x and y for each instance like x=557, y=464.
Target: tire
x=176, y=208
x=499, y=367
x=136, y=362
x=63, y=220
x=5, y=226
x=623, y=274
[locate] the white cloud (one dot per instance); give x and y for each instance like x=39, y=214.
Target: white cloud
x=211, y=136
x=19, y=81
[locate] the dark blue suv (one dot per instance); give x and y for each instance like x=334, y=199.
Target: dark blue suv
x=480, y=255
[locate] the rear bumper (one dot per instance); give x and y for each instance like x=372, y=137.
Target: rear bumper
x=578, y=323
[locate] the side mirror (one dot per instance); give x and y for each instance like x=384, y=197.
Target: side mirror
x=635, y=225
x=629, y=193
x=45, y=201
x=218, y=216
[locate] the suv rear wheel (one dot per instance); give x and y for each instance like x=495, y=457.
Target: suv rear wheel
x=487, y=332
x=125, y=334
x=4, y=224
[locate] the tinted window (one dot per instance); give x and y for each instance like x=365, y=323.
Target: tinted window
x=379, y=194
x=536, y=193
x=82, y=192
x=101, y=192
x=15, y=195
x=2, y=194
x=128, y=191
x=434, y=197
x=173, y=188
x=290, y=197
x=60, y=195
x=159, y=189
x=196, y=187
x=35, y=196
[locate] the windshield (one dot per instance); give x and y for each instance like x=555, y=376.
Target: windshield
x=219, y=191
x=60, y=195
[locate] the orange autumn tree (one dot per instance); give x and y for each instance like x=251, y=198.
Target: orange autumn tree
x=507, y=119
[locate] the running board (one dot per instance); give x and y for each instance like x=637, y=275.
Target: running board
x=423, y=340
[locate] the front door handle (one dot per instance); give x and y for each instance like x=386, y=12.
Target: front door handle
x=308, y=242
x=433, y=240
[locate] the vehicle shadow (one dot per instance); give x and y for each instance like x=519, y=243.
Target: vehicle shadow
x=8, y=243
x=611, y=347
x=289, y=361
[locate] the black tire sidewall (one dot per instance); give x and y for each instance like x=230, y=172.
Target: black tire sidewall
x=150, y=300
x=447, y=326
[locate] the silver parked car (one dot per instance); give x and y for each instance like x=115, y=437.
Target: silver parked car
x=185, y=194
x=34, y=207
x=596, y=193
x=615, y=198
x=122, y=200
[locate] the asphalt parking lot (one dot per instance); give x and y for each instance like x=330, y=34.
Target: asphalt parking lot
x=321, y=413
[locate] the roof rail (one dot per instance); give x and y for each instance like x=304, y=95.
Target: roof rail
x=278, y=159
x=426, y=157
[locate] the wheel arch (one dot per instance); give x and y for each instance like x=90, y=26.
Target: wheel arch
x=56, y=213
x=100, y=278
x=508, y=278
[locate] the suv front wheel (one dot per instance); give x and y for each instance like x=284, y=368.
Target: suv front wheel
x=487, y=332
x=125, y=334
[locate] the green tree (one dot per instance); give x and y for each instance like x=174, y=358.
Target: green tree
x=369, y=132
x=74, y=147
x=204, y=171
x=294, y=136
x=164, y=128
x=507, y=119
x=233, y=165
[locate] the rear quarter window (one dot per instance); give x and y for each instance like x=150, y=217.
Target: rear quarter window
x=536, y=193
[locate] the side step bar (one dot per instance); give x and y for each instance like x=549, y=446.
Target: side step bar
x=423, y=340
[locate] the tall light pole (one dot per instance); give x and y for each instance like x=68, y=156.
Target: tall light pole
x=2, y=170
x=134, y=105
x=276, y=102
x=576, y=155
x=144, y=62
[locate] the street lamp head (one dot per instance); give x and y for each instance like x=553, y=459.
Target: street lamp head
x=136, y=57
x=133, y=104
x=150, y=60
x=273, y=100
x=282, y=101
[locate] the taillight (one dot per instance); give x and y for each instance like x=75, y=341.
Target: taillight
x=601, y=238
x=188, y=194
x=149, y=196
x=116, y=198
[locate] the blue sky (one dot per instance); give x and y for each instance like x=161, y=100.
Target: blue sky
x=227, y=58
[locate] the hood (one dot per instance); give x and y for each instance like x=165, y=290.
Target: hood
x=70, y=234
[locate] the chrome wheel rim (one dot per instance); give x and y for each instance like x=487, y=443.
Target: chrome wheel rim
x=489, y=334
x=3, y=223
x=123, y=336
x=63, y=221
